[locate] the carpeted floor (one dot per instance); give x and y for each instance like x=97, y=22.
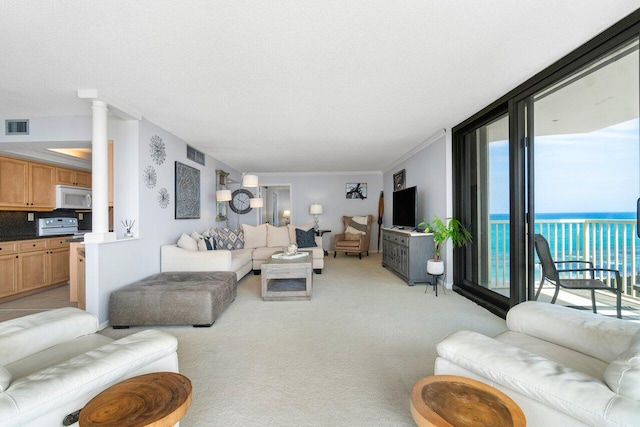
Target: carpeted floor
x=347, y=357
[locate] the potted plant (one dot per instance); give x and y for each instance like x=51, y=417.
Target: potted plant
x=443, y=230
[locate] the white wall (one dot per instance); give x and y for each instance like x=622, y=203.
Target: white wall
x=113, y=265
x=53, y=129
x=50, y=132
x=330, y=191
x=429, y=167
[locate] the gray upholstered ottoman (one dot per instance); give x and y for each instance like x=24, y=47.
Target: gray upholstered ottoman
x=173, y=298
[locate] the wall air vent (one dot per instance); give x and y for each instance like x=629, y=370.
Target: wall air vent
x=16, y=127
x=195, y=155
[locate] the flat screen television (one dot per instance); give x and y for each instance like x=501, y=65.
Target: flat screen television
x=405, y=208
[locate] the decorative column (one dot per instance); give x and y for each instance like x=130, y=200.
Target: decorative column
x=100, y=176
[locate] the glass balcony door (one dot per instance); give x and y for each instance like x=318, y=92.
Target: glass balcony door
x=584, y=135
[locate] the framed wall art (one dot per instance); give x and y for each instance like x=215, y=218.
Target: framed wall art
x=398, y=180
x=187, y=192
x=357, y=190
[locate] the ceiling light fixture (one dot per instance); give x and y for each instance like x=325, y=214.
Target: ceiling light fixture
x=256, y=202
x=223, y=195
x=250, y=180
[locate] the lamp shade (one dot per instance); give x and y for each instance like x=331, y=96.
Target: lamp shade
x=223, y=195
x=256, y=202
x=286, y=213
x=315, y=209
x=250, y=180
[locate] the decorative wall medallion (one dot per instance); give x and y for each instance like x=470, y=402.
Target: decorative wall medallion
x=187, y=192
x=157, y=150
x=150, y=177
x=163, y=198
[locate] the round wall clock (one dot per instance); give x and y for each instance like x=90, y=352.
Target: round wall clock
x=240, y=201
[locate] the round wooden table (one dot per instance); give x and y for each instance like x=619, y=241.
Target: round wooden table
x=450, y=400
x=156, y=399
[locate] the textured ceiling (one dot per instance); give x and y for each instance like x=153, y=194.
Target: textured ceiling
x=288, y=86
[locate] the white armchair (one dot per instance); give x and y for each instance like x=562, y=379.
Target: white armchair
x=562, y=366
x=52, y=363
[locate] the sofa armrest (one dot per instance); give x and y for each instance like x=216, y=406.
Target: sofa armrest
x=78, y=380
x=597, y=336
x=173, y=258
x=31, y=334
x=338, y=237
x=563, y=389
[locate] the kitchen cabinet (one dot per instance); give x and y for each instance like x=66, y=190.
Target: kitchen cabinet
x=406, y=254
x=27, y=265
x=73, y=177
x=77, y=274
x=81, y=272
x=33, y=271
x=26, y=185
x=8, y=268
x=42, y=186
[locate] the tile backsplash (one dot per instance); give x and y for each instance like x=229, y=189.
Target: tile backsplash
x=17, y=223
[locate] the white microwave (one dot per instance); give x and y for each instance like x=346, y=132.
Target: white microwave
x=68, y=197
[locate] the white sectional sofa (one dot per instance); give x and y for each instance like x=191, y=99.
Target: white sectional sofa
x=562, y=366
x=52, y=363
x=259, y=243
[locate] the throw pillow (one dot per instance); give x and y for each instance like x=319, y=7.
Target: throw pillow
x=352, y=230
x=5, y=379
x=277, y=237
x=187, y=242
x=351, y=236
x=293, y=228
x=255, y=237
x=229, y=239
x=205, y=243
x=357, y=225
x=305, y=239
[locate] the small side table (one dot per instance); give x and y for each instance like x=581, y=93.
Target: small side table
x=446, y=400
x=320, y=233
x=158, y=399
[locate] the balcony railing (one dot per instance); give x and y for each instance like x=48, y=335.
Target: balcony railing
x=608, y=243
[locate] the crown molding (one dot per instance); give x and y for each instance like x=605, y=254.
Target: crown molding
x=424, y=144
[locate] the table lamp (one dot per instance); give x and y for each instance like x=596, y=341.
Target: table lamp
x=315, y=210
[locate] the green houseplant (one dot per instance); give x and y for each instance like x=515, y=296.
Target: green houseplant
x=444, y=230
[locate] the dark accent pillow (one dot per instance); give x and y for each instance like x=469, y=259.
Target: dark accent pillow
x=305, y=239
x=210, y=242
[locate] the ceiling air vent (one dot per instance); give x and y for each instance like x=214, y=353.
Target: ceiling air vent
x=195, y=155
x=16, y=127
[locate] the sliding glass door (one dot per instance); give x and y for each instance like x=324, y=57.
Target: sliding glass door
x=487, y=215
x=586, y=175
x=558, y=156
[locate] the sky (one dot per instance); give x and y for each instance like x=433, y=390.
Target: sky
x=592, y=172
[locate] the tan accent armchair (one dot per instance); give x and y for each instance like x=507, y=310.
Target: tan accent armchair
x=351, y=243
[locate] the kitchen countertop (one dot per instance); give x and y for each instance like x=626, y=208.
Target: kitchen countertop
x=69, y=237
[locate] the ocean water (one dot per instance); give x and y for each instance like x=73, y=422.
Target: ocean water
x=611, y=240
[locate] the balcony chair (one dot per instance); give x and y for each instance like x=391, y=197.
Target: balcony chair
x=551, y=274
x=355, y=237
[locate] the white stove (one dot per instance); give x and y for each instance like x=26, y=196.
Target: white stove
x=55, y=226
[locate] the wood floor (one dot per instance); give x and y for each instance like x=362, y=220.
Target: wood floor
x=47, y=300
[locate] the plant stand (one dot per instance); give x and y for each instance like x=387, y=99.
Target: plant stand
x=435, y=284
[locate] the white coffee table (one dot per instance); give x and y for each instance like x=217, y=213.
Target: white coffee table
x=287, y=279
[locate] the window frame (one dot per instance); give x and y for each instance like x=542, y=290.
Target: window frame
x=520, y=162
